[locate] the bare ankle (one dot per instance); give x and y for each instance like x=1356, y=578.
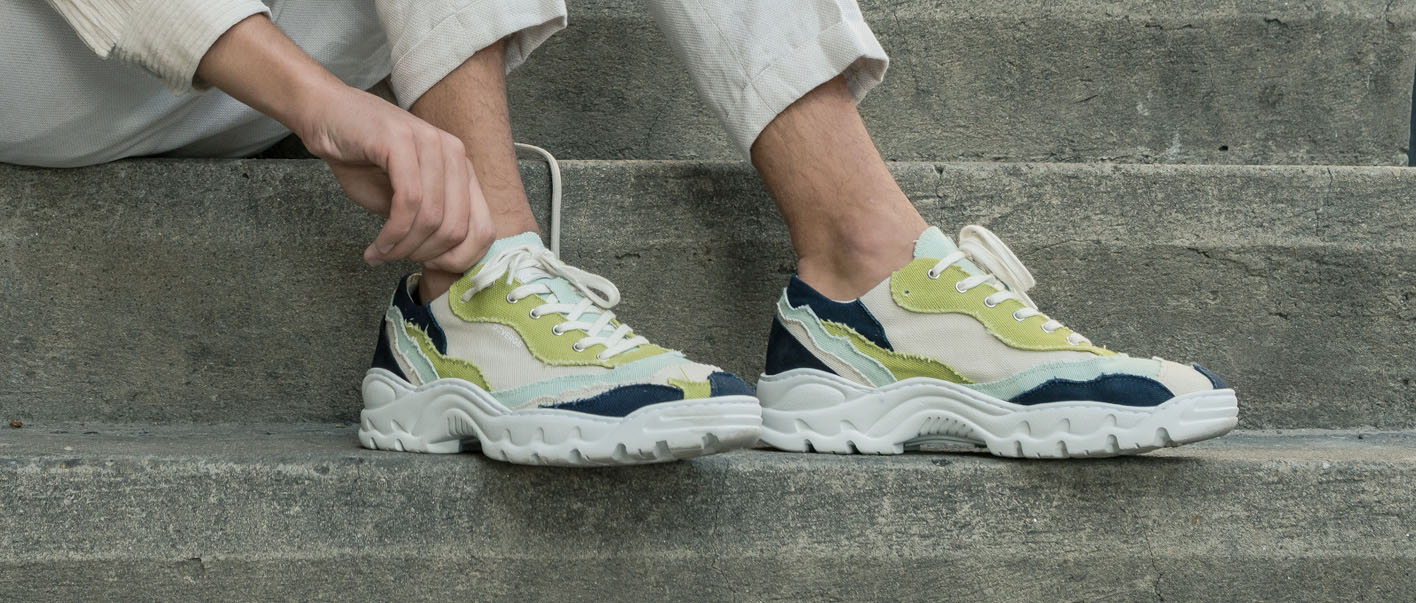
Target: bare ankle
x=434, y=283
x=852, y=265
x=512, y=223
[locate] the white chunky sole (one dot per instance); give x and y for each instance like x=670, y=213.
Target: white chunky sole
x=452, y=415
x=806, y=410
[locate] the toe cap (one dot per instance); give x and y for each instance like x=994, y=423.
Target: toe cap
x=1217, y=382
x=1183, y=379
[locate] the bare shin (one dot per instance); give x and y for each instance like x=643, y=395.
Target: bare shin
x=471, y=104
x=850, y=223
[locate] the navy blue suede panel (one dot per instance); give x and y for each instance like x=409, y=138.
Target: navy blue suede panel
x=621, y=401
x=1214, y=379
x=852, y=314
x=1126, y=390
x=728, y=384
x=420, y=315
x=383, y=354
x=785, y=353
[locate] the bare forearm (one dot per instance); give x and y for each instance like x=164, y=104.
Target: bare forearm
x=386, y=159
x=259, y=65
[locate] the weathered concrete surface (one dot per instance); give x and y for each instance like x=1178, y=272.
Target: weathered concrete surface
x=255, y=512
x=1135, y=81
x=233, y=290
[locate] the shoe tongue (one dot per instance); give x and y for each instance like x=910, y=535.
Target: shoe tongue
x=934, y=244
x=500, y=245
x=563, y=292
x=561, y=289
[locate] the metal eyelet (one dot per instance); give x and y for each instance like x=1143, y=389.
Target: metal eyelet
x=985, y=302
x=509, y=300
x=959, y=286
x=1015, y=317
x=557, y=331
x=577, y=347
x=933, y=275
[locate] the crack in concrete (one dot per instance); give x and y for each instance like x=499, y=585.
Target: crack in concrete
x=1210, y=254
x=1155, y=565
x=1322, y=203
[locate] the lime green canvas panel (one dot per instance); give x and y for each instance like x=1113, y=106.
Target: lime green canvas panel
x=913, y=290
x=490, y=305
x=693, y=390
x=902, y=366
x=444, y=365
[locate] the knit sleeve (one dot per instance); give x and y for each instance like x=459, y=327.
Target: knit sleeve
x=165, y=37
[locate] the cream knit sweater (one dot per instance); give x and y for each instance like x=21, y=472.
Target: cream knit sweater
x=166, y=37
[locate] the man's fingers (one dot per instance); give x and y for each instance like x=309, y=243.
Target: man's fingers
x=461, y=257
x=481, y=233
x=425, y=218
x=456, y=202
x=404, y=175
x=367, y=186
x=401, y=163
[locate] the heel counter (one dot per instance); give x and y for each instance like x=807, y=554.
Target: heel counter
x=400, y=304
x=383, y=353
x=785, y=353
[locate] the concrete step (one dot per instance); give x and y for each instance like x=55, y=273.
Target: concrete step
x=299, y=512
x=1132, y=81
x=233, y=291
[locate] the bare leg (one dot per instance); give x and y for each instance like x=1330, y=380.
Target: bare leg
x=850, y=223
x=470, y=103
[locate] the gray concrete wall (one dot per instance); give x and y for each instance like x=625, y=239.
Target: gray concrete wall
x=1131, y=81
x=234, y=291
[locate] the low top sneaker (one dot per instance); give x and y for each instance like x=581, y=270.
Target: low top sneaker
x=523, y=357
x=950, y=349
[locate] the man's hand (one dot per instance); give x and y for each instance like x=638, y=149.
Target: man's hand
x=388, y=161
x=402, y=168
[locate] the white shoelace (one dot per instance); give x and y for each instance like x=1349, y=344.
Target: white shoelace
x=1002, y=268
x=529, y=264
x=999, y=263
x=554, y=167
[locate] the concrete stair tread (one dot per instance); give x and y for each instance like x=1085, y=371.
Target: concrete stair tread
x=299, y=511
x=53, y=445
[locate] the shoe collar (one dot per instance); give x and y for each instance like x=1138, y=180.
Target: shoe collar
x=934, y=244
x=525, y=239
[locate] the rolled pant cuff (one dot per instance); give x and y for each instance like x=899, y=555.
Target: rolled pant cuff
x=525, y=24
x=848, y=49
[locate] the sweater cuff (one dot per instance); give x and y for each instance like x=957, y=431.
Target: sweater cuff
x=98, y=22
x=169, y=39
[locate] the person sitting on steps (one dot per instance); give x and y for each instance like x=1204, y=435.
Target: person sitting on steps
x=891, y=334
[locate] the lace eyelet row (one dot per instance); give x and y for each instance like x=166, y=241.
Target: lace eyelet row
x=959, y=286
